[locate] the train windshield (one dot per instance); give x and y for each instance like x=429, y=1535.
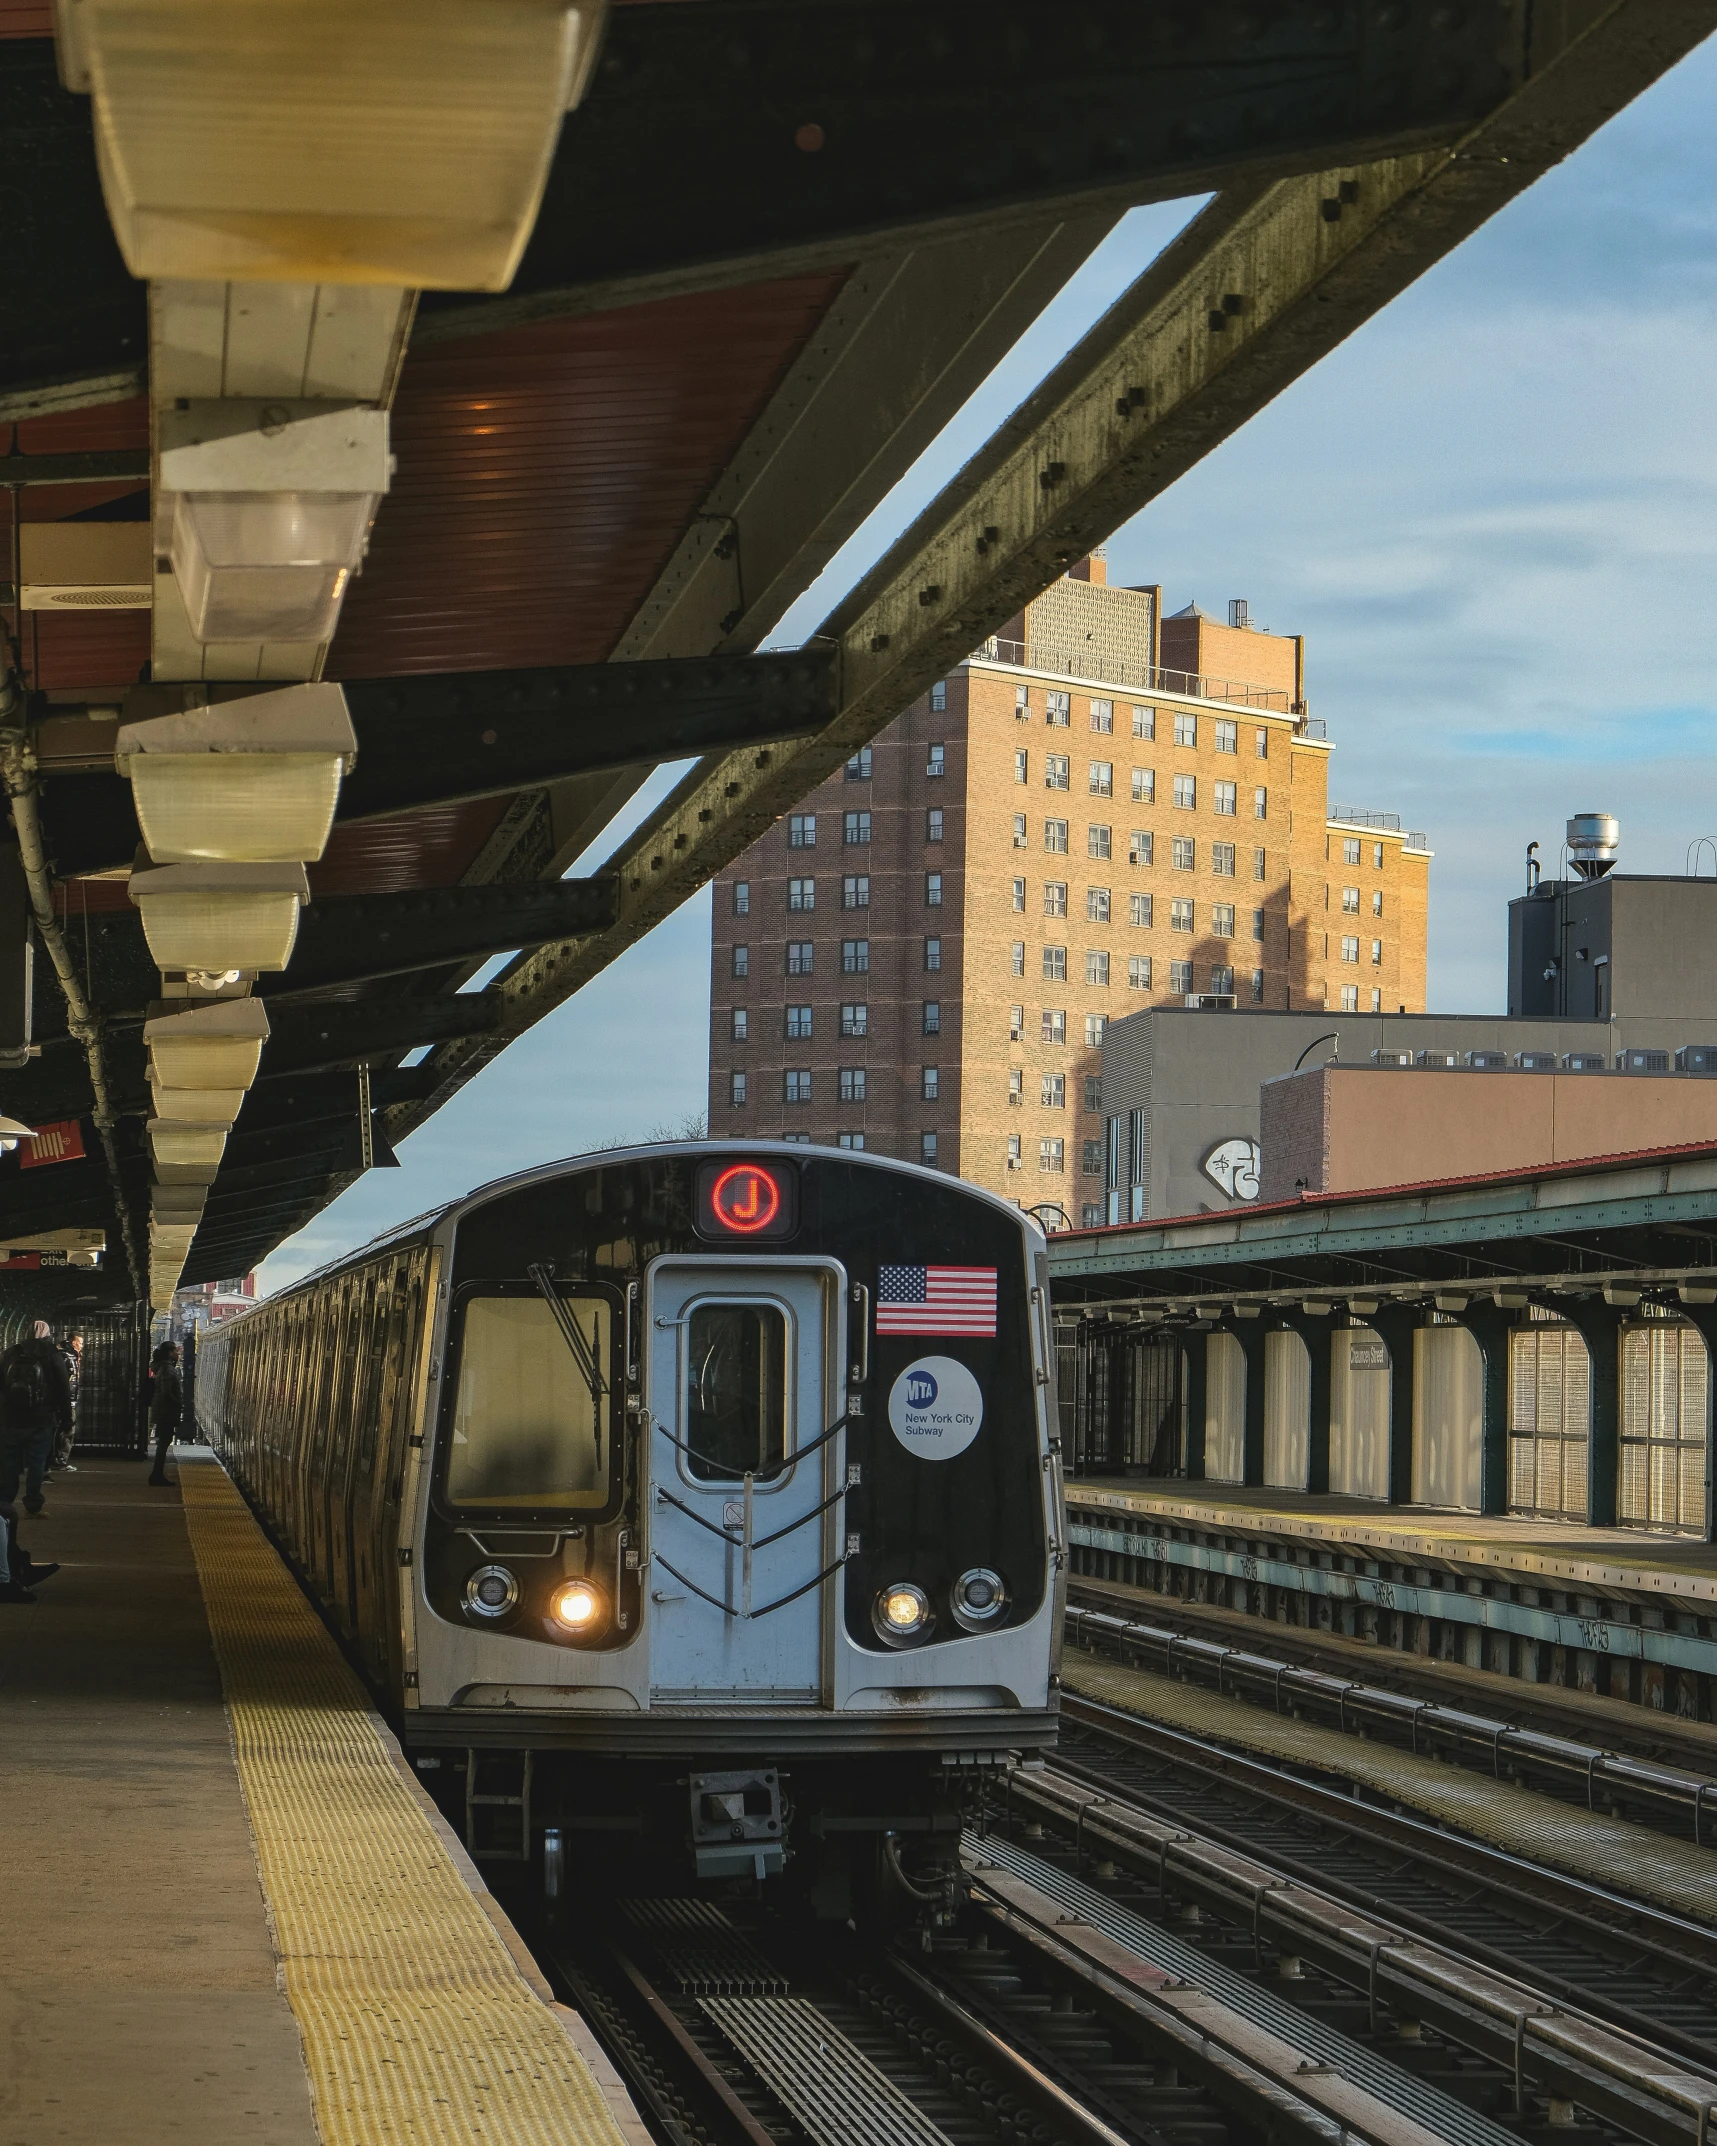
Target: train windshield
x=533, y=1413
x=736, y=1413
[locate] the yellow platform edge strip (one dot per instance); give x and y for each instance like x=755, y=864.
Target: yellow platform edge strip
x=417, y=2025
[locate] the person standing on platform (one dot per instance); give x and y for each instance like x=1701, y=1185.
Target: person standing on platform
x=61, y=1463
x=35, y=1407
x=164, y=1405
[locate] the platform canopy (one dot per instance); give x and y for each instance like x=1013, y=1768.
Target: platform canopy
x=603, y=393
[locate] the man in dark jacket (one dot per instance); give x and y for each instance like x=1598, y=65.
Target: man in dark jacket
x=164, y=1405
x=35, y=1407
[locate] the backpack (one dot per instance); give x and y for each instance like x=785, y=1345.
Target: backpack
x=27, y=1398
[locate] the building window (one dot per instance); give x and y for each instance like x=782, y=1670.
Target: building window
x=1138, y=972
x=802, y=831
x=1013, y=1151
x=1091, y=1158
x=1180, y=915
x=932, y=890
x=1054, y=1028
x=1260, y=804
x=1260, y=869
x=1102, y=778
x=741, y=1024
x=1090, y=1216
x=1097, y=843
x=1222, y=859
x=1350, y=998
x=932, y=1017
x=936, y=761
x=1051, y=1155
x=1377, y=953
x=1055, y=771
x=1016, y=1024
x=939, y=696
x=1227, y=735
x=1226, y=801
x=1022, y=766
x=1019, y=896
x=855, y=891
x=1350, y=901
x=1257, y=987
x=929, y=1083
x=852, y=1084
x=742, y=897
x=1058, y=708
x=855, y=828
x=736, y=1090
x=1055, y=897
x=1144, y=786
x=1185, y=728
x=1180, y=976
x=932, y=953
x=797, y=1139
x=933, y=824
x=801, y=894
x=1055, y=837
x=1261, y=744
x=1055, y=964
x=1377, y=1001
x=855, y=957
x=1096, y=905
x=797, y=1084
x=1094, y=1086
x=1022, y=704
x=1186, y=792
x=1019, y=957
x=1096, y=966
x=1350, y=950
x=855, y=1019
x=849, y=1140
x=1020, y=836
x=1141, y=846
x=1222, y=920
x=1257, y=923
x=859, y=766
x=1144, y=722
x=1377, y=855
x=1185, y=853
x=1016, y=1088
x=1052, y=1091
x=1141, y=910
x=798, y=1023
x=927, y=1150
x=1350, y=849
x=742, y=961
x=1222, y=982
x=1095, y=1026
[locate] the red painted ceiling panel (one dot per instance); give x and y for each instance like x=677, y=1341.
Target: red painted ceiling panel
x=410, y=849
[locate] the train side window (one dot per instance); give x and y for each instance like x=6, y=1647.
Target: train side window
x=529, y=1431
x=736, y=1397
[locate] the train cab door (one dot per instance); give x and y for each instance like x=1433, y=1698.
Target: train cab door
x=744, y=1361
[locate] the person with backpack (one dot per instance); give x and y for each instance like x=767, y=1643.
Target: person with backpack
x=35, y=1406
x=164, y=1405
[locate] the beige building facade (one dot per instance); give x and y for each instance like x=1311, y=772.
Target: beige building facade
x=923, y=959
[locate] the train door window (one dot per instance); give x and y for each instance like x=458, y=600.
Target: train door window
x=533, y=1412
x=736, y=1398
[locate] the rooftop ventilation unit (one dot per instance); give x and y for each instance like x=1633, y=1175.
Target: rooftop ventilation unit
x=1488, y=1061
x=1592, y=839
x=1643, y=1062
x=1439, y=1058
x=1535, y=1061
x=1211, y=1002
x=1585, y=1062
x=1392, y=1058
x=1696, y=1058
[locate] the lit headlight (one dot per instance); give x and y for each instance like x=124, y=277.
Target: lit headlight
x=978, y=1598
x=576, y=1606
x=491, y=1591
x=901, y=1613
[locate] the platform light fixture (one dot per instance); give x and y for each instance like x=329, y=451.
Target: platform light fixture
x=1450, y=1303
x=197, y=1106
x=248, y=781
x=1364, y=1307
x=1698, y=1293
x=173, y=1142
x=374, y=143
x=210, y=1046
x=220, y=916
x=1510, y=1299
x=1624, y=1299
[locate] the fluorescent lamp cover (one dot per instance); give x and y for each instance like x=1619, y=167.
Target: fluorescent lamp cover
x=246, y=808
x=252, y=933
x=203, y=1062
x=197, y=1106
x=174, y=1142
x=315, y=142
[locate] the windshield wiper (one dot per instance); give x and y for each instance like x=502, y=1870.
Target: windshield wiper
x=573, y=1335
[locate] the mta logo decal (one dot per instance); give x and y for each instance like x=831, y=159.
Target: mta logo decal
x=920, y=1389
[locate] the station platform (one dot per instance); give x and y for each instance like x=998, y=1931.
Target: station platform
x=231, y=1912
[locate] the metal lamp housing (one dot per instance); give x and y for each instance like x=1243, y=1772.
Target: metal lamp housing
x=241, y=917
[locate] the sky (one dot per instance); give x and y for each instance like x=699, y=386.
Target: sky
x=1493, y=514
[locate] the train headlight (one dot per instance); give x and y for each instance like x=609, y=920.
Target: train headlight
x=978, y=1598
x=491, y=1591
x=901, y=1613
x=576, y=1607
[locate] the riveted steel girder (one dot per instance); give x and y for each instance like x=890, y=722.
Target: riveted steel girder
x=309, y=1039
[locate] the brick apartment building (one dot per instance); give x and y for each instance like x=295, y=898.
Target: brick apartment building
x=1101, y=810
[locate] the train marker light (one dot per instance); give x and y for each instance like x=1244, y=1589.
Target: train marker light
x=576, y=1606
x=901, y=1613
x=747, y=1199
x=978, y=1598
x=491, y=1591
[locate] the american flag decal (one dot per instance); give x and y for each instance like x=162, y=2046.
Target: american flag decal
x=936, y=1300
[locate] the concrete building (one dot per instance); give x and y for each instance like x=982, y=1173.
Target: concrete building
x=1626, y=945
x=1101, y=810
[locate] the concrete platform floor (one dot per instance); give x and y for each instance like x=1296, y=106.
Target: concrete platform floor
x=1556, y=1553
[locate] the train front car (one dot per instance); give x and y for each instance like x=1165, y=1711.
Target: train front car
x=742, y=1513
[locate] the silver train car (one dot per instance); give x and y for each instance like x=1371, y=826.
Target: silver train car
x=698, y=1500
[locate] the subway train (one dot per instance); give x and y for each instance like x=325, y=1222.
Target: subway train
x=694, y=1501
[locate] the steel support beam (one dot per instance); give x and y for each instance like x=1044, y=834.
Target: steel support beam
x=318, y=1039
